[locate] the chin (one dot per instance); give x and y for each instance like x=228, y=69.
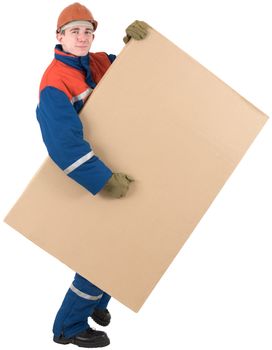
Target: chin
x=83, y=53
x=79, y=52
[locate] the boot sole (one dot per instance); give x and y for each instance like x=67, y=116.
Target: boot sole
x=81, y=344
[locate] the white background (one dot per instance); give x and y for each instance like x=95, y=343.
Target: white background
x=217, y=292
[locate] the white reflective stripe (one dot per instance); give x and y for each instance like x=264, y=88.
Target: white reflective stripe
x=81, y=96
x=77, y=163
x=84, y=295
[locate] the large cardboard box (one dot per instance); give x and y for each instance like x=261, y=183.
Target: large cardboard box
x=161, y=117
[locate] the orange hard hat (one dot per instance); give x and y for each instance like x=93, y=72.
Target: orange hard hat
x=75, y=12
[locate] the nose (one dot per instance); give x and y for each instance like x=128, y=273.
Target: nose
x=82, y=37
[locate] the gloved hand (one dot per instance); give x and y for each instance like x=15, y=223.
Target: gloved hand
x=118, y=184
x=137, y=30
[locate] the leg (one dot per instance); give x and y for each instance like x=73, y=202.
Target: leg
x=78, y=304
x=103, y=303
x=101, y=314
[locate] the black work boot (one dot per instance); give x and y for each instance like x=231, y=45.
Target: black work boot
x=101, y=317
x=87, y=339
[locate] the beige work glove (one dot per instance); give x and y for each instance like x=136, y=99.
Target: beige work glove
x=118, y=184
x=137, y=30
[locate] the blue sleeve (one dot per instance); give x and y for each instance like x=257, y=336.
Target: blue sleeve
x=62, y=133
x=111, y=57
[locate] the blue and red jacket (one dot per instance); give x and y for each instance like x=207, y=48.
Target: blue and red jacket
x=65, y=86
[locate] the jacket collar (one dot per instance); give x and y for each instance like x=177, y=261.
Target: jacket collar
x=72, y=60
x=81, y=63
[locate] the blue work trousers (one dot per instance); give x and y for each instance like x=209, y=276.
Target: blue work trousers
x=79, y=303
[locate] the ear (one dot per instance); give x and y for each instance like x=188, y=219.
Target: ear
x=59, y=37
x=93, y=36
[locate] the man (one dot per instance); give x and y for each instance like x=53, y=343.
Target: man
x=66, y=84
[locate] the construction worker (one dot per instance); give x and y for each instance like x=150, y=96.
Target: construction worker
x=65, y=86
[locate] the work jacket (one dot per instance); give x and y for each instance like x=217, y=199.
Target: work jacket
x=65, y=86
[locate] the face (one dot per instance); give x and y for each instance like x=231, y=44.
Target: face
x=76, y=40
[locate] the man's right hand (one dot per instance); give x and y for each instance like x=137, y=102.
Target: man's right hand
x=118, y=185
x=137, y=30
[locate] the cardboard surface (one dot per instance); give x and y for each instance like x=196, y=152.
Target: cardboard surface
x=161, y=117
